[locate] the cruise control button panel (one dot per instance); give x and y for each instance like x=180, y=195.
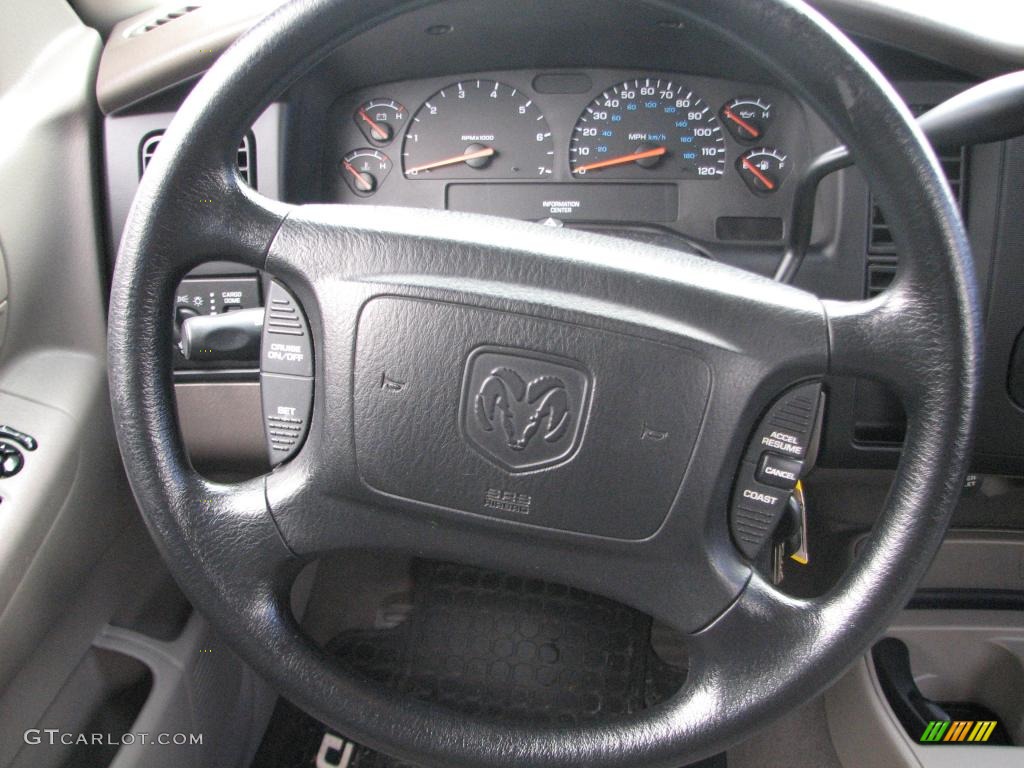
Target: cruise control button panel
x=286, y=375
x=781, y=450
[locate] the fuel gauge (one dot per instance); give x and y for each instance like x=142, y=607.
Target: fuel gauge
x=364, y=170
x=764, y=169
x=747, y=118
x=380, y=120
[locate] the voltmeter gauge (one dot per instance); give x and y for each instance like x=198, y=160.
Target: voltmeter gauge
x=764, y=169
x=364, y=170
x=380, y=120
x=747, y=118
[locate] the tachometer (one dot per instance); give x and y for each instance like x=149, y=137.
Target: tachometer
x=648, y=128
x=478, y=129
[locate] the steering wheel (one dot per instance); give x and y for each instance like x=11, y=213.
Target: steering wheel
x=627, y=329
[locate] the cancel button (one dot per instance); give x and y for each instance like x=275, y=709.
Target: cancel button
x=779, y=471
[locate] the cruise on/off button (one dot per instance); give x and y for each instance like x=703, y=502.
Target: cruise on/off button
x=778, y=471
x=286, y=346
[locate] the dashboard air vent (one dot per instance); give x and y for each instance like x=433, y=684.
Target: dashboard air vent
x=882, y=258
x=246, y=155
x=158, y=21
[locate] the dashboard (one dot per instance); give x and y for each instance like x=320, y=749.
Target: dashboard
x=706, y=158
x=638, y=128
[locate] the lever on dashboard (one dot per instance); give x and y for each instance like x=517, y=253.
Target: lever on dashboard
x=229, y=336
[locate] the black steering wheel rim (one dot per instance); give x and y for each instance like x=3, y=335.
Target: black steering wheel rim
x=922, y=337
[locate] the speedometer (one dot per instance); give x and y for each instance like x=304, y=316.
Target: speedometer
x=648, y=128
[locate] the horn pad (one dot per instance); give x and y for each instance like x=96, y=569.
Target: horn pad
x=523, y=411
x=516, y=417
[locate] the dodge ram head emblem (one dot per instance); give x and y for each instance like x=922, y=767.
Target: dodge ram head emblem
x=523, y=411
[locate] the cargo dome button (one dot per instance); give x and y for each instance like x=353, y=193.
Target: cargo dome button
x=778, y=471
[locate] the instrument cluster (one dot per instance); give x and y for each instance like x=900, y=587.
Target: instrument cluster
x=707, y=157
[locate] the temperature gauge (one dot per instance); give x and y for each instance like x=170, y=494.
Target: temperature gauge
x=380, y=120
x=364, y=170
x=747, y=118
x=763, y=169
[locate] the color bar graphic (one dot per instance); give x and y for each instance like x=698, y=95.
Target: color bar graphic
x=958, y=731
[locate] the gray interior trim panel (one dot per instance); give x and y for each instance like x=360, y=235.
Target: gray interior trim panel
x=975, y=560
x=979, y=560
x=199, y=686
x=222, y=425
x=973, y=656
x=135, y=66
x=66, y=516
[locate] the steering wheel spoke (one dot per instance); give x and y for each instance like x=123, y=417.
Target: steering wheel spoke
x=765, y=637
x=233, y=521
x=877, y=339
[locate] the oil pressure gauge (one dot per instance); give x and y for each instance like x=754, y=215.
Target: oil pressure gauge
x=747, y=118
x=764, y=169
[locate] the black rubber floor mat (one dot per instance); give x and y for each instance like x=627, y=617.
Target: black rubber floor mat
x=504, y=647
x=495, y=646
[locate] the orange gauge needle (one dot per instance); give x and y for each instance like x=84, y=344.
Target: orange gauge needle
x=480, y=153
x=622, y=160
x=754, y=133
x=361, y=181
x=769, y=184
x=382, y=133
